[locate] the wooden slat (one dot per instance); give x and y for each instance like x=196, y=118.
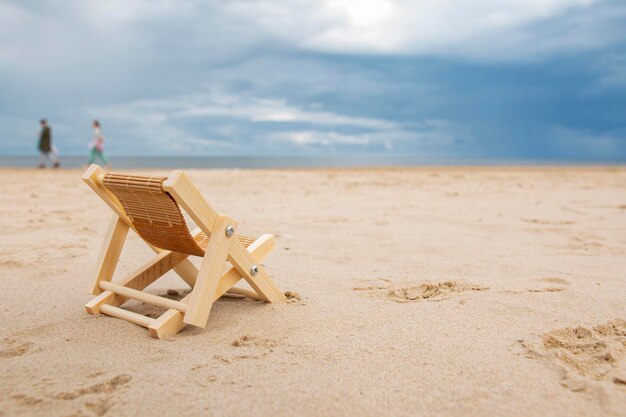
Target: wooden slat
x=154, y=213
x=143, y=296
x=120, y=313
x=93, y=178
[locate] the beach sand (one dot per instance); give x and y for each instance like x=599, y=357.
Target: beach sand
x=422, y=291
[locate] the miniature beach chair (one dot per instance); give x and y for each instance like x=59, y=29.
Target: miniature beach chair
x=151, y=206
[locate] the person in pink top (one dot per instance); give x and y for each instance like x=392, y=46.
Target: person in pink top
x=97, y=146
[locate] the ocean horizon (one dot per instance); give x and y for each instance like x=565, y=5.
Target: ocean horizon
x=268, y=162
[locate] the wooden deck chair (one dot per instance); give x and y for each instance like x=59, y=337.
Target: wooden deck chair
x=151, y=206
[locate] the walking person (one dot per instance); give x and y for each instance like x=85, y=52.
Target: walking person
x=46, y=148
x=97, y=146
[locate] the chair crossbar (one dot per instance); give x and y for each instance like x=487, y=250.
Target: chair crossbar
x=245, y=292
x=143, y=296
x=121, y=313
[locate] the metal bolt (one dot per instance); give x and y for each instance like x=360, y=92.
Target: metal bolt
x=230, y=231
x=254, y=270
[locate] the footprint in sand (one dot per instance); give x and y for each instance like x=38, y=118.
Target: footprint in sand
x=26, y=400
x=99, y=399
x=571, y=210
x=247, y=340
x=586, y=357
x=106, y=387
x=549, y=222
x=335, y=220
x=554, y=280
x=561, y=285
x=249, y=347
x=430, y=291
x=99, y=407
x=583, y=244
x=546, y=289
x=14, y=348
x=294, y=298
x=12, y=263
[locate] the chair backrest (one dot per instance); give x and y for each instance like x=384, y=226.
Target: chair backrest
x=154, y=213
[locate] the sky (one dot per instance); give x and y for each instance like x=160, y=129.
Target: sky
x=441, y=79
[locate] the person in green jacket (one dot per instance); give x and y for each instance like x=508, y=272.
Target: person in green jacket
x=96, y=149
x=46, y=149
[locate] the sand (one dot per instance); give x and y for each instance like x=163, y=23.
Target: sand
x=426, y=291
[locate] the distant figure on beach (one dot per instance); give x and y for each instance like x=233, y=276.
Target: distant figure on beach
x=46, y=148
x=97, y=146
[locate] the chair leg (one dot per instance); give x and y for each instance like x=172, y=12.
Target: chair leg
x=110, y=252
x=210, y=272
x=171, y=322
x=93, y=306
x=254, y=273
x=259, y=250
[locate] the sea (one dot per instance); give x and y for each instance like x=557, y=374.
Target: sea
x=267, y=162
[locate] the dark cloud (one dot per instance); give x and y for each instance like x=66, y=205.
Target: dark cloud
x=196, y=78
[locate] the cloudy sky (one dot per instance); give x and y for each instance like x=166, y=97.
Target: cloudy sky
x=481, y=79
